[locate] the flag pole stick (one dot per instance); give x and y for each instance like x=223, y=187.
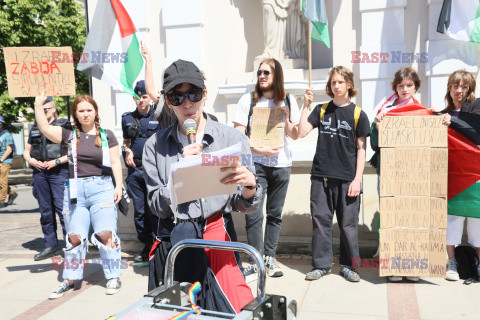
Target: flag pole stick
x=309, y=57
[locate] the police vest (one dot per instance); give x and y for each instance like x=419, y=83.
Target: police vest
x=44, y=149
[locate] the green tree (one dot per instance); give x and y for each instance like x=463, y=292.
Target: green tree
x=33, y=23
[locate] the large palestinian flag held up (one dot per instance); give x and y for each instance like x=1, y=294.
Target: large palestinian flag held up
x=464, y=166
x=112, y=47
x=460, y=20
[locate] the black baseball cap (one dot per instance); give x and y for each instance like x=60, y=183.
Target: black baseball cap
x=140, y=88
x=182, y=71
x=49, y=99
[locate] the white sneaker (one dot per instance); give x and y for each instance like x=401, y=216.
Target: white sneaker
x=60, y=290
x=273, y=270
x=113, y=286
x=395, y=278
x=452, y=271
x=413, y=279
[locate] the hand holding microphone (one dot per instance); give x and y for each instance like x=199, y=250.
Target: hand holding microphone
x=193, y=148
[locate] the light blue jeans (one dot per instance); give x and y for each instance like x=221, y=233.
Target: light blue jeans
x=95, y=204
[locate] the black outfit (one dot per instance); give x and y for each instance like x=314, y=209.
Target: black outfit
x=138, y=128
x=48, y=185
x=333, y=169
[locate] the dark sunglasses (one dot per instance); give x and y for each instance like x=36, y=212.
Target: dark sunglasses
x=177, y=98
x=265, y=72
x=46, y=109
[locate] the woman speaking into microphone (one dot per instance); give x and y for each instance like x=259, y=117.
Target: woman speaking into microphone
x=185, y=93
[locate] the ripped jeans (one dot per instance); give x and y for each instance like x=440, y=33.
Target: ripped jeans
x=95, y=203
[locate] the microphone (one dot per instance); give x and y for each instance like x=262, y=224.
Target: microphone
x=190, y=127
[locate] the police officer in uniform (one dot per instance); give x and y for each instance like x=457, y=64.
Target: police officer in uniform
x=50, y=171
x=137, y=127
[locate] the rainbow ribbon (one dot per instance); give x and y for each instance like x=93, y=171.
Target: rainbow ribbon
x=192, y=292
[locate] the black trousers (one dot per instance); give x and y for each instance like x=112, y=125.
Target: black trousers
x=324, y=201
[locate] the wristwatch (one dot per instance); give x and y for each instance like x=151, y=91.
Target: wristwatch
x=58, y=162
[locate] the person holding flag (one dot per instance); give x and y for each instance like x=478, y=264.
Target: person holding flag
x=460, y=98
x=337, y=172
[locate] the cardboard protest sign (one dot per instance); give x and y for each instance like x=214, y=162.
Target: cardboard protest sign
x=268, y=127
x=33, y=69
x=412, y=131
x=413, y=212
x=413, y=172
x=413, y=196
x=412, y=252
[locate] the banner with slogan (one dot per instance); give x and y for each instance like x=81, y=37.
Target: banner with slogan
x=33, y=69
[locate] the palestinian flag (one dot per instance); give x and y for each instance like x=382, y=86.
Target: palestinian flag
x=464, y=166
x=460, y=20
x=316, y=12
x=112, y=47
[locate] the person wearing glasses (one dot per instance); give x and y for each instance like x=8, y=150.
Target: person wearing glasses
x=272, y=164
x=460, y=97
x=50, y=171
x=223, y=285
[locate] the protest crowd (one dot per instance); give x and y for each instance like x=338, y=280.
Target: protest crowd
x=77, y=175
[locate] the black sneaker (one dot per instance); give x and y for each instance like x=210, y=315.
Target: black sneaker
x=143, y=256
x=12, y=197
x=3, y=204
x=250, y=272
x=60, y=290
x=46, y=253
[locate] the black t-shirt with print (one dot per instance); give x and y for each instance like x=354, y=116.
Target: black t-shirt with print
x=336, y=154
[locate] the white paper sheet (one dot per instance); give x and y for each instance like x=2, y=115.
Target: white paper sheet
x=199, y=176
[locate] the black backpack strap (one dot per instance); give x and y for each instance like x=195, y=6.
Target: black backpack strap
x=137, y=124
x=287, y=102
x=250, y=112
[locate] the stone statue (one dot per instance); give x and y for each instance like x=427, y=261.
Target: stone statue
x=284, y=29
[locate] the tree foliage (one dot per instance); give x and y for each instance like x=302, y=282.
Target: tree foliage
x=33, y=23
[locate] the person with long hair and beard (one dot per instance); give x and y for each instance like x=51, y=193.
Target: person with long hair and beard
x=90, y=194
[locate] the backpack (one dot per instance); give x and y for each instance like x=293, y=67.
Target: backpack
x=467, y=261
x=250, y=112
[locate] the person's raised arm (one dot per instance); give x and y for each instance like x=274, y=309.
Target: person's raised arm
x=149, y=80
x=53, y=133
x=305, y=126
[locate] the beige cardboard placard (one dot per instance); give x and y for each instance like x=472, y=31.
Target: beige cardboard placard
x=412, y=131
x=412, y=252
x=33, y=69
x=268, y=127
x=413, y=212
x=438, y=172
x=405, y=171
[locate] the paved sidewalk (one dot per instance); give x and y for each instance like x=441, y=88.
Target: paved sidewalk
x=25, y=284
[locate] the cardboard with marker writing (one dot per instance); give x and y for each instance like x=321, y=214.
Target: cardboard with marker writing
x=413, y=196
x=33, y=69
x=412, y=131
x=268, y=127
